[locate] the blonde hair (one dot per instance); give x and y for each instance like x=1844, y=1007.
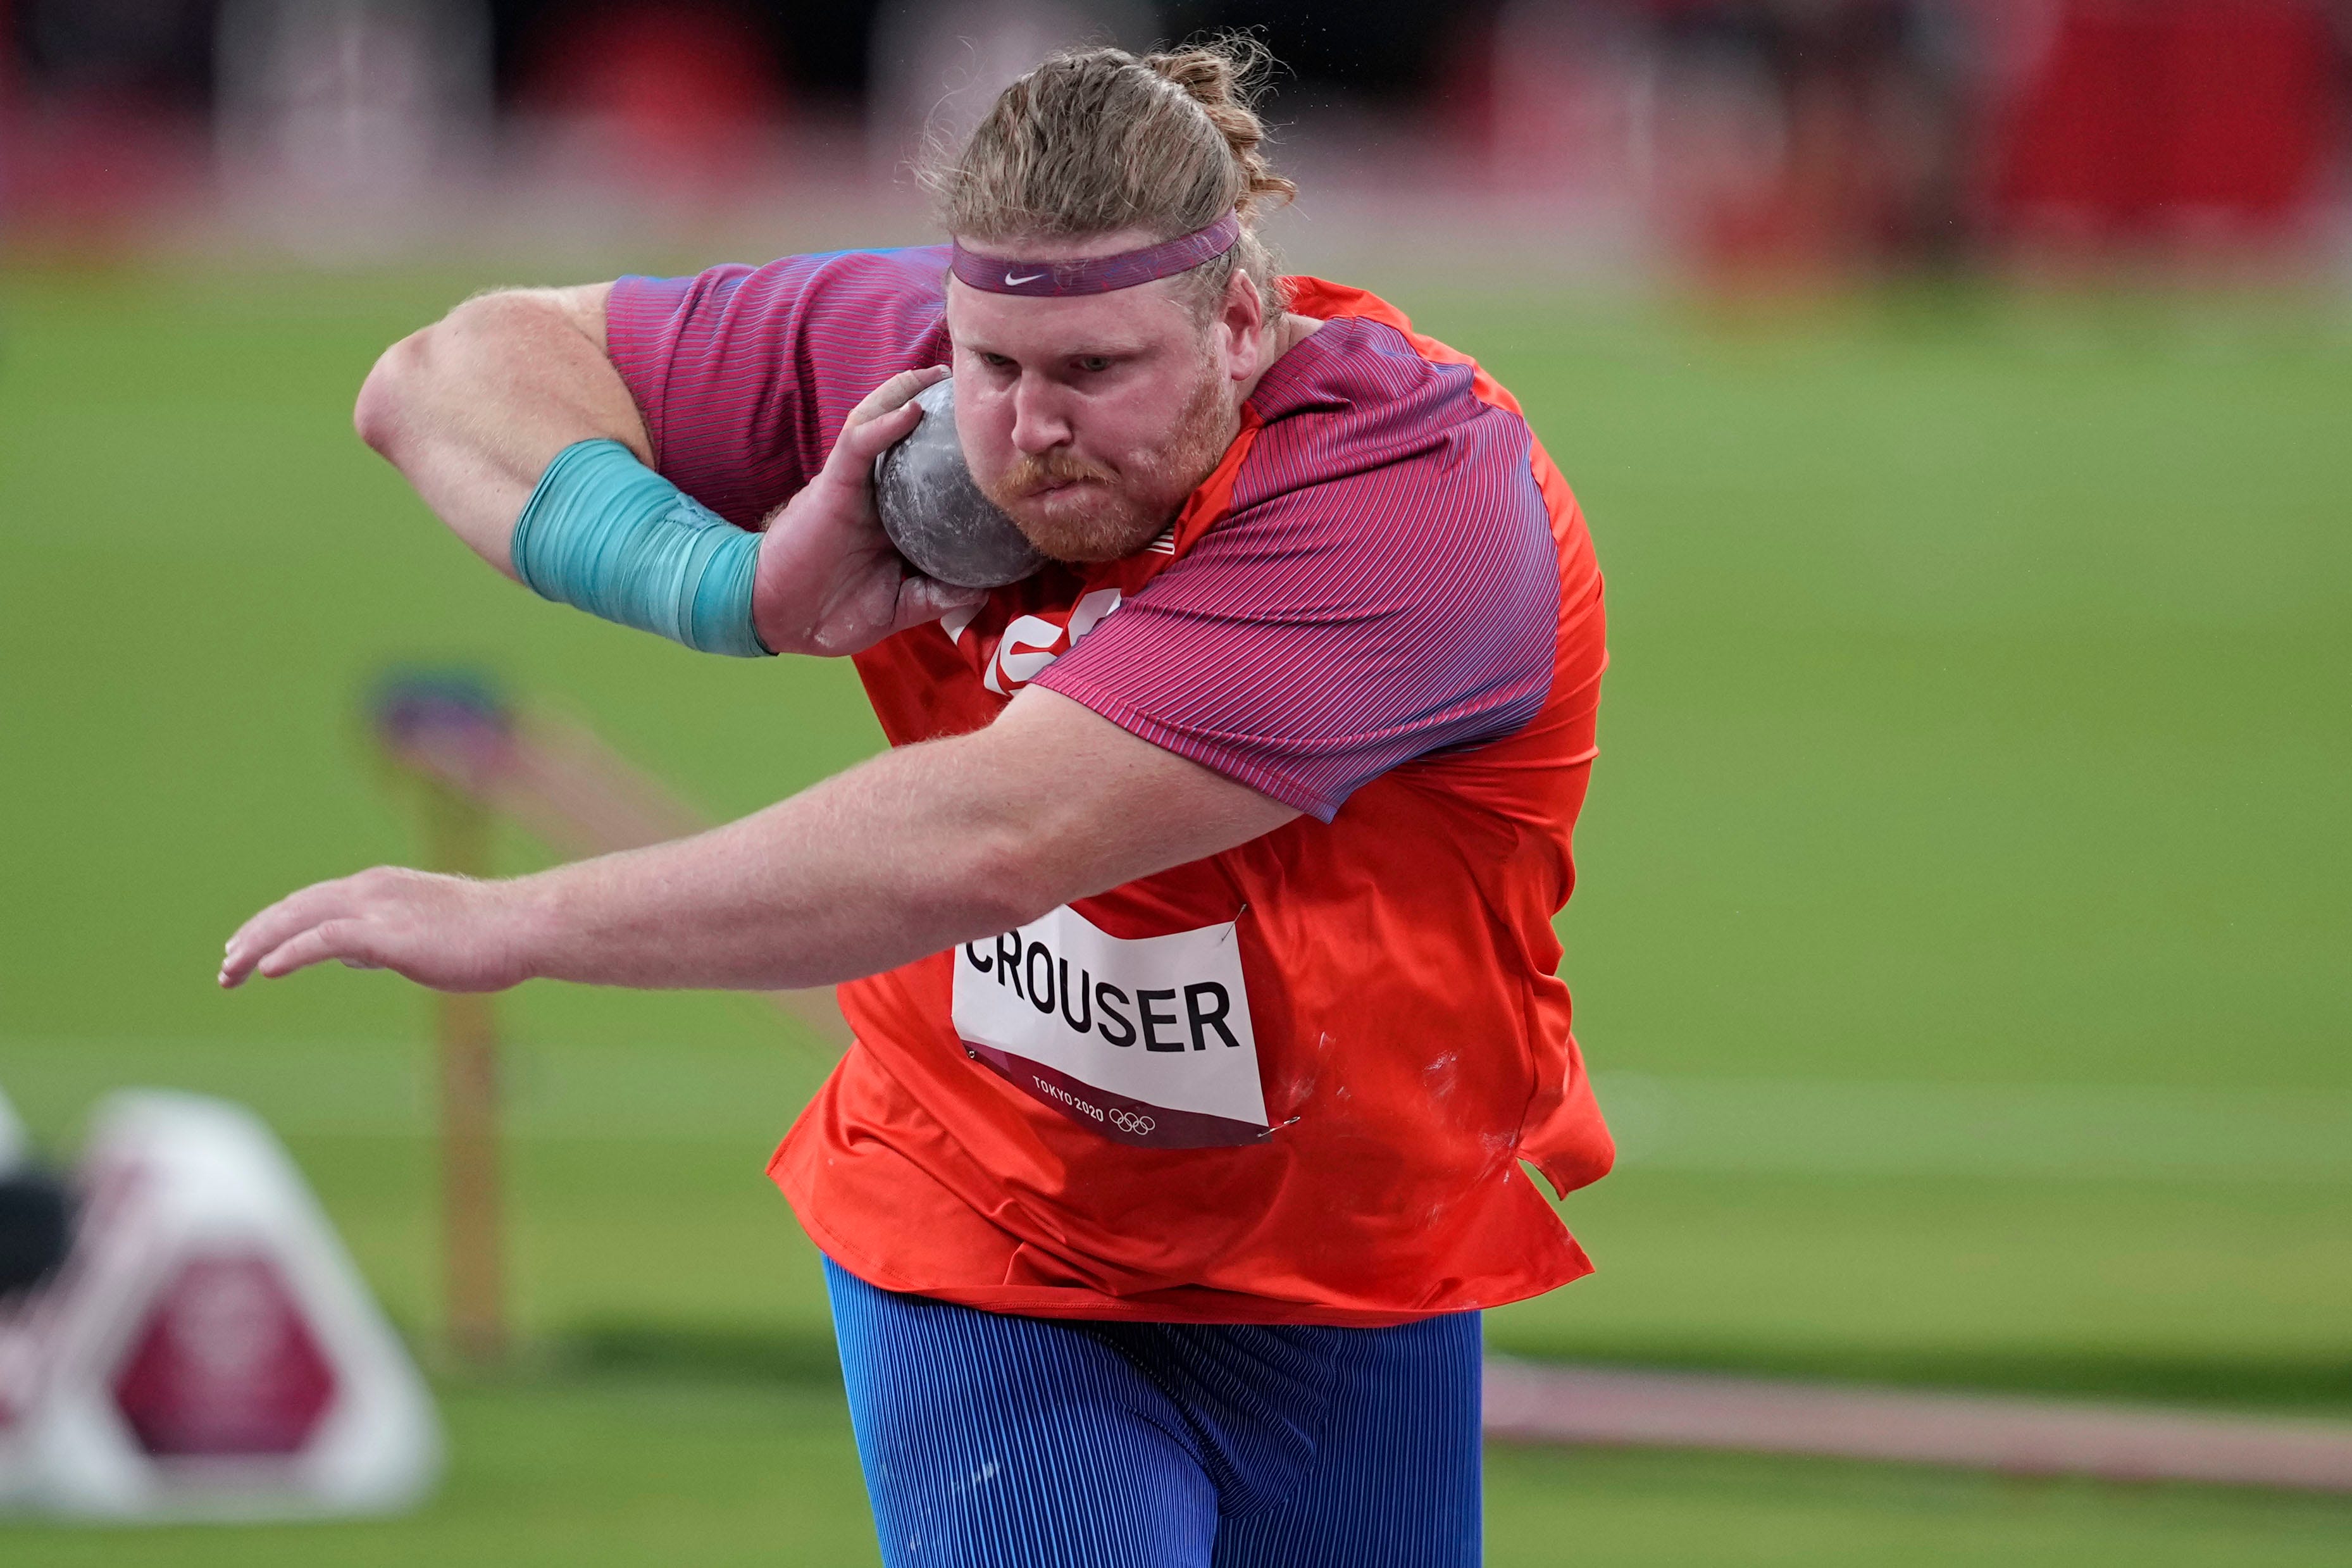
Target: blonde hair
x=1094, y=140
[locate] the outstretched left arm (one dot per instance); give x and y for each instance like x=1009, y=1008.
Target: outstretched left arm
x=905, y=854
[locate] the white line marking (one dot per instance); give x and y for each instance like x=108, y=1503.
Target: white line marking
x=1700, y=1125
x=2084, y=1132
x=1530, y=1402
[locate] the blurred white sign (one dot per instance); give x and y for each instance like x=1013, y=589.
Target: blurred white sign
x=209, y=1349
x=337, y=118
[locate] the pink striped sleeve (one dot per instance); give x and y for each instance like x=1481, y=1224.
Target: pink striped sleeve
x=1330, y=631
x=744, y=374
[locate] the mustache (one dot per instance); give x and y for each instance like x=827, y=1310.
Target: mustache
x=1034, y=471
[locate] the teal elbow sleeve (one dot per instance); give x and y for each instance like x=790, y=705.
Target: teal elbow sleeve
x=608, y=535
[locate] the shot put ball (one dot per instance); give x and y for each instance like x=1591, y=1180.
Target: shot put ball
x=936, y=514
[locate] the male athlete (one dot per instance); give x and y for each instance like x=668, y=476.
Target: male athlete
x=1196, y=931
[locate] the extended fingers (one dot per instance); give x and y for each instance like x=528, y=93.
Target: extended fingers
x=894, y=393
x=349, y=939
x=297, y=912
x=269, y=930
x=886, y=414
x=450, y=932
x=852, y=458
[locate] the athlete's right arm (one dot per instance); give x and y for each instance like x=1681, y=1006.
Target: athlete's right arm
x=472, y=409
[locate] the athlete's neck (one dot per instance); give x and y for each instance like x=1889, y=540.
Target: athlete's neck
x=1287, y=334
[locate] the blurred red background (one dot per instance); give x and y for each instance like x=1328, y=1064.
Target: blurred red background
x=1725, y=134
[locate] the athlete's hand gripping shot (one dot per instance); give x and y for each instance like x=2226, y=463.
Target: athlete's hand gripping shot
x=1196, y=930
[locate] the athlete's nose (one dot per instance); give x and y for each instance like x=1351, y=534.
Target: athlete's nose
x=1038, y=423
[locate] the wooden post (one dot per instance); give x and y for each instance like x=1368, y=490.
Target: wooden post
x=458, y=839
x=477, y=762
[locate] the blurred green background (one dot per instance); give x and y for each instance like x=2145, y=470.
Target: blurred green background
x=1960, y=941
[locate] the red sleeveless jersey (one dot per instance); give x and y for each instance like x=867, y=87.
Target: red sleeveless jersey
x=1294, y=1082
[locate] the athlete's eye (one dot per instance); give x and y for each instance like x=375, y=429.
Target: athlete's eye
x=996, y=362
x=1094, y=363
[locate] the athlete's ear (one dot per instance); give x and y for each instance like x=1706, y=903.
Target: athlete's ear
x=1242, y=320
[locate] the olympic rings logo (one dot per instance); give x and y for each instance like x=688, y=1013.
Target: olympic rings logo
x=1130, y=1121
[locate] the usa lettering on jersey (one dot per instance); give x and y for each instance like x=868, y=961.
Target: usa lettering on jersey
x=1016, y=655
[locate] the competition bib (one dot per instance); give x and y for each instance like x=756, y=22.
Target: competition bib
x=1147, y=1041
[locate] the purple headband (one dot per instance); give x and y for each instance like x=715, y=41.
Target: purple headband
x=1098, y=274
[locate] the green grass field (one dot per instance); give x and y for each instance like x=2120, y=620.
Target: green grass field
x=1960, y=941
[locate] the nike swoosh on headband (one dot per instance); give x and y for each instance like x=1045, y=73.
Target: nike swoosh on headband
x=1096, y=274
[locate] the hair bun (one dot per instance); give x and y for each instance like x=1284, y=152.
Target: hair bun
x=1226, y=76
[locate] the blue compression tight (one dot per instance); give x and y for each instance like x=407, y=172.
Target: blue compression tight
x=996, y=1441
